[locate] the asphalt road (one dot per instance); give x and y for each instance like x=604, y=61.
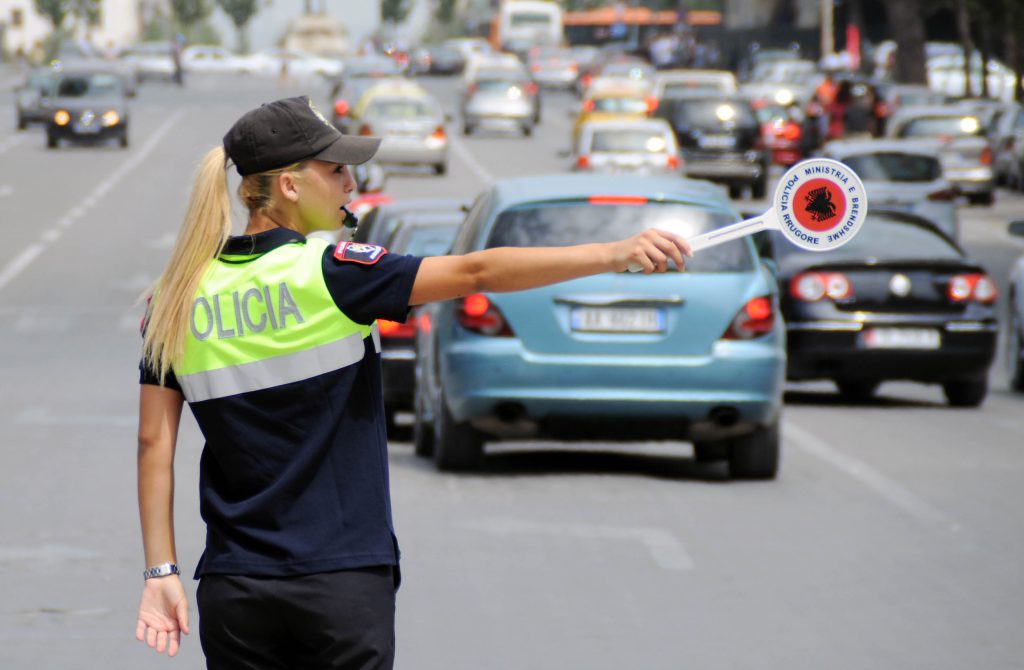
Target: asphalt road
x=893, y=537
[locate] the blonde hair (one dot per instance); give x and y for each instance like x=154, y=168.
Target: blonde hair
x=203, y=233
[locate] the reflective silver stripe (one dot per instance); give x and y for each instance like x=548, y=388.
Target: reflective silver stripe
x=824, y=325
x=272, y=372
x=971, y=327
x=375, y=331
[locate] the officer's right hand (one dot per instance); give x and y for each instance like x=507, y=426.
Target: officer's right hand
x=650, y=251
x=163, y=614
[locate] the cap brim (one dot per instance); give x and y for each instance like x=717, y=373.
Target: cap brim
x=349, y=150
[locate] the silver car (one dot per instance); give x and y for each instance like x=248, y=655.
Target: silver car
x=902, y=175
x=412, y=128
x=553, y=67
x=501, y=103
x=32, y=101
x=959, y=137
x=640, y=146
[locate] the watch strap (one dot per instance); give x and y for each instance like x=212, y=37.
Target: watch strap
x=162, y=570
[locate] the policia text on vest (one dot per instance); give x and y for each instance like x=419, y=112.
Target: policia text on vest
x=207, y=315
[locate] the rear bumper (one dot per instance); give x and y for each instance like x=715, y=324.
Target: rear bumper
x=971, y=180
x=69, y=133
x=701, y=168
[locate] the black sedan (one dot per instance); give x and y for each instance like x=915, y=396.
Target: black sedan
x=89, y=105
x=899, y=301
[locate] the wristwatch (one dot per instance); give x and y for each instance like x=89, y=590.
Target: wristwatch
x=162, y=570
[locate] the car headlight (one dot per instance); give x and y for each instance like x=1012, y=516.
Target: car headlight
x=62, y=118
x=111, y=118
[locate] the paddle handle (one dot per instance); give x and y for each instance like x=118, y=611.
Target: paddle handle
x=725, y=234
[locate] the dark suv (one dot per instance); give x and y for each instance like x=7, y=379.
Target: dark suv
x=720, y=139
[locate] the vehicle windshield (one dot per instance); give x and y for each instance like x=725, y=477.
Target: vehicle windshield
x=683, y=88
x=398, y=107
x=566, y=222
x=88, y=86
x=426, y=240
x=882, y=238
x=895, y=166
x=713, y=114
x=620, y=105
x=631, y=141
x=936, y=126
x=500, y=87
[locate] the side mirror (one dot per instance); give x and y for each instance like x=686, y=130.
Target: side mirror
x=1016, y=228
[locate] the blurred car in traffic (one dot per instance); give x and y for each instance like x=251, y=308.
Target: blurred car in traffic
x=720, y=139
x=695, y=355
x=436, y=59
x=359, y=73
x=32, y=97
x=1008, y=148
x=901, y=175
x=293, y=63
x=89, y=106
x=151, y=60
x=417, y=234
x=378, y=224
x=963, y=147
x=1015, y=322
x=783, y=128
x=500, y=103
x=622, y=101
x=611, y=61
x=81, y=54
x=685, y=83
x=408, y=119
x=900, y=301
x=212, y=59
x=493, y=65
x=553, y=67
x=641, y=146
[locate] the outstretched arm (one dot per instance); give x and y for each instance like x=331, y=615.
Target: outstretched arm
x=518, y=268
x=163, y=611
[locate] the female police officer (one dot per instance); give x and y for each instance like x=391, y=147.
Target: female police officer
x=271, y=338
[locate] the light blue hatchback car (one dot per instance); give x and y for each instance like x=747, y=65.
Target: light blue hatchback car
x=696, y=355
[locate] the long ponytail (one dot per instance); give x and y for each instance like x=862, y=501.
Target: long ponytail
x=205, y=230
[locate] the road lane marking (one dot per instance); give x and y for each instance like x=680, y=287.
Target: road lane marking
x=667, y=551
x=474, y=165
x=25, y=258
x=886, y=488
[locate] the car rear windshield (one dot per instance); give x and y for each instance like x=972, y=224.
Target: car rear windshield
x=567, y=222
x=713, y=114
x=677, y=89
x=935, y=126
x=882, y=238
x=620, y=105
x=399, y=107
x=630, y=141
x=88, y=86
x=895, y=166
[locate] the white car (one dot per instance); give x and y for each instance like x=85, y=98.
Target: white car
x=151, y=60
x=213, y=59
x=946, y=74
x=296, y=63
x=637, y=146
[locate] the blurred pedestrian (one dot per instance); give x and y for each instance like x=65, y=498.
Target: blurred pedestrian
x=271, y=338
x=837, y=109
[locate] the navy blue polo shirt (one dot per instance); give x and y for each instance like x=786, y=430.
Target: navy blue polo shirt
x=293, y=479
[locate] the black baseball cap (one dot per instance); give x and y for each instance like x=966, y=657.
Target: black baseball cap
x=279, y=133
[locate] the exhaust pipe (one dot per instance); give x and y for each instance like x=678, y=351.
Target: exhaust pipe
x=724, y=416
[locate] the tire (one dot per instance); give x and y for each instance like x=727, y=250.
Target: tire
x=735, y=191
x=422, y=432
x=755, y=455
x=759, y=188
x=51, y=141
x=708, y=452
x=467, y=129
x=982, y=198
x=457, y=446
x=1014, y=351
x=969, y=392
x=123, y=141
x=441, y=168
x=857, y=389
x=22, y=123
x=527, y=130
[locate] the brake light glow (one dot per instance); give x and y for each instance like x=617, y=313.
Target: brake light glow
x=439, y=133
x=395, y=329
x=583, y=162
x=531, y=89
x=652, y=104
x=945, y=195
x=340, y=107
x=791, y=131
x=756, y=318
x=672, y=162
x=365, y=129
x=813, y=286
x=986, y=156
x=617, y=200
x=588, y=106
x=976, y=286
x=477, y=314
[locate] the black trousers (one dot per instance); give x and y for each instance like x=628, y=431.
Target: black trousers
x=336, y=620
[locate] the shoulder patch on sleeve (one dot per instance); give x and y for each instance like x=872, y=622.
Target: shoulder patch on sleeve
x=354, y=252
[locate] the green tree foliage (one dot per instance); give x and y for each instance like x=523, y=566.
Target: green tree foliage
x=88, y=12
x=190, y=12
x=394, y=11
x=240, y=12
x=54, y=10
x=446, y=11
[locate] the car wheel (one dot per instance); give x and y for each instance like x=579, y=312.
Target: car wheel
x=706, y=452
x=759, y=188
x=527, y=130
x=22, y=123
x=982, y=198
x=1014, y=351
x=422, y=432
x=969, y=392
x=735, y=191
x=857, y=389
x=457, y=446
x=756, y=455
x=441, y=168
x=51, y=141
x=123, y=141
x=467, y=129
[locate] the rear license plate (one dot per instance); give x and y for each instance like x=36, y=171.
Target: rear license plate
x=901, y=338
x=618, y=320
x=717, y=141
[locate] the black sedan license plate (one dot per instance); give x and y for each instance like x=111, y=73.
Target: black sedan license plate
x=618, y=320
x=901, y=338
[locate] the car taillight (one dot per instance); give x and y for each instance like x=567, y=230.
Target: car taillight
x=791, y=131
x=531, y=89
x=583, y=162
x=477, y=314
x=813, y=286
x=652, y=104
x=574, y=68
x=340, y=108
x=975, y=286
x=395, y=329
x=365, y=129
x=945, y=195
x=986, y=156
x=617, y=200
x=585, y=80
x=588, y=106
x=471, y=89
x=756, y=318
x=439, y=133
x=672, y=162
